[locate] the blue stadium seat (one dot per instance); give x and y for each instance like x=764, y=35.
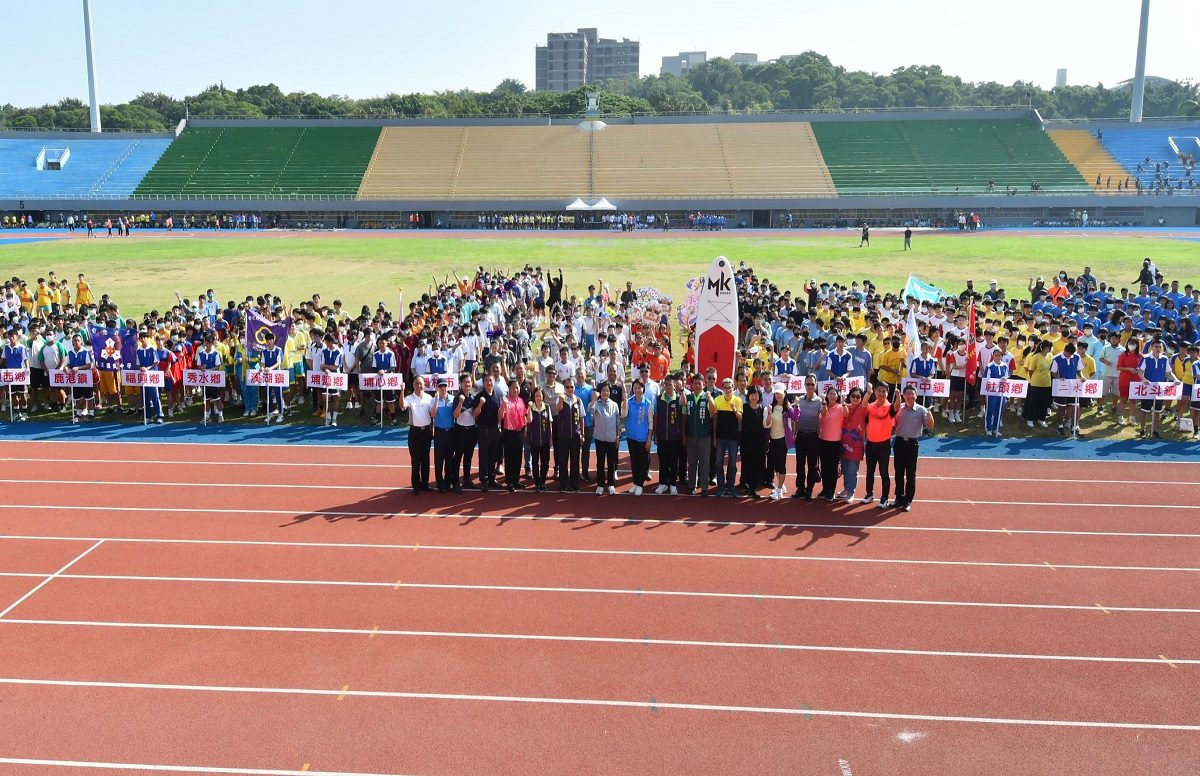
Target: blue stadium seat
x=1131, y=146
x=97, y=166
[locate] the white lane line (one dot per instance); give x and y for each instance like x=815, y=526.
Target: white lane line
x=606, y=591
x=48, y=579
x=645, y=640
x=687, y=521
x=398, y=446
x=601, y=702
x=399, y=465
x=105, y=766
x=626, y=553
x=397, y=487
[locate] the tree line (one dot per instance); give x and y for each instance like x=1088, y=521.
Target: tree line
x=806, y=82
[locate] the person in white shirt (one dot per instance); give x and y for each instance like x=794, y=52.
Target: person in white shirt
x=420, y=406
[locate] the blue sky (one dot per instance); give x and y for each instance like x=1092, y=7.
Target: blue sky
x=363, y=48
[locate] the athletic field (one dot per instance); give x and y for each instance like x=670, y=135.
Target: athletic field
x=366, y=267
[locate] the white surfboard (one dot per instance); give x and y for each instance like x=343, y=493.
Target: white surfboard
x=717, y=320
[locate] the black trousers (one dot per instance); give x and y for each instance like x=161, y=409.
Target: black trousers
x=878, y=455
x=419, y=440
x=754, y=459
x=831, y=455
x=444, y=471
x=668, y=462
x=905, y=456
x=540, y=463
x=808, y=470
x=464, y=450
x=639, y=461
x=606, y=463
x=513, y=442
x=585, y=452
x=566, y=456
x=489, y=448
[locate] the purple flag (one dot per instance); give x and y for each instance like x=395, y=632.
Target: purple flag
x=257, y=328
x=114, y=349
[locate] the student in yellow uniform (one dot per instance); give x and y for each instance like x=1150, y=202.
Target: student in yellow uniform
x=891, y=366
x=83, y=291
x=1037, y=402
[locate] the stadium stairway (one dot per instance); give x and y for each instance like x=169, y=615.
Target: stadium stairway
x=110, y=166
x=1097, y=166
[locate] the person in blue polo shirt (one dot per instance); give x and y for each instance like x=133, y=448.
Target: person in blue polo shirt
x=839, y=361
x=147, y=358
x=209, y=359
x=924, y=365
x=272, y=358
x=15, y=357
x=1067, y=366
x=1155, y=368
x=329, y=360
x=444, y=471
x=80, y=359
x=383, y=361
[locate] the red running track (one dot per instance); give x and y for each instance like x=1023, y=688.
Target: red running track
x=317, y=618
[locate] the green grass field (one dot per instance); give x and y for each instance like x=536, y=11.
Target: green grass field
x=143, y=272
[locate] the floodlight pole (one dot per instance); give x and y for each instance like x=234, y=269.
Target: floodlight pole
x=91, y=65
x=1139, y=73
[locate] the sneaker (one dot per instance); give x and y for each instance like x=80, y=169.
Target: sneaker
x=867, y=499
x=1029, y=423
x=599, y=491
x=674, y=491
x=1043, y=424
x=637, y=490
x=907, y=507
x=883, y=503
x=611, y=490
x=775, y=495
x=159, y=419
x=661, y=489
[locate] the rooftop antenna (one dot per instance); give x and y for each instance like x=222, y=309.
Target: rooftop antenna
x=91, y=65
x=1139, y=73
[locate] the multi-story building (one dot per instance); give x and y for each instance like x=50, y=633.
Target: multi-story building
x=572, y=59
x=683, y=62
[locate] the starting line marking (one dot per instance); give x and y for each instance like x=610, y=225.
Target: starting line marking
x=560, y=518
x=598, y=702
x=607, y=591
x=644, y=641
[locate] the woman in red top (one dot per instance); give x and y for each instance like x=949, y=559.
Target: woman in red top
x=513, y=419
x=1127, y=373
x=853, y=443
x=881, y=417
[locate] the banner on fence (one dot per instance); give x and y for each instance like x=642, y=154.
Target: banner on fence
x=209, y=378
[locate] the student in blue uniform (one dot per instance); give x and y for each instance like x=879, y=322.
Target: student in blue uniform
x=1154, y=368
x=924, y=365
x=996, y=370
x=329, y=360
x=16, y=357
x=209, y=359
x=383, y=361
x=272, y=358
x=147, y=358
x=1067, y=366
x=80, y=359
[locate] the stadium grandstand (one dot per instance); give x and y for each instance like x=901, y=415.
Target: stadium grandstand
x=1008, y=165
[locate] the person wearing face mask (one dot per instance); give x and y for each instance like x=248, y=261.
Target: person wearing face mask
x=1128, y=364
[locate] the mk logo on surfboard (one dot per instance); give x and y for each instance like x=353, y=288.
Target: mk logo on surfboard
x=721, y=285
x=716, y=320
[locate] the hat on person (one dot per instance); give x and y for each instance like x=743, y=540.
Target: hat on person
x=441, y=381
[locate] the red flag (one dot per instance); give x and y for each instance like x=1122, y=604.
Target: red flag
x=972, y=350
